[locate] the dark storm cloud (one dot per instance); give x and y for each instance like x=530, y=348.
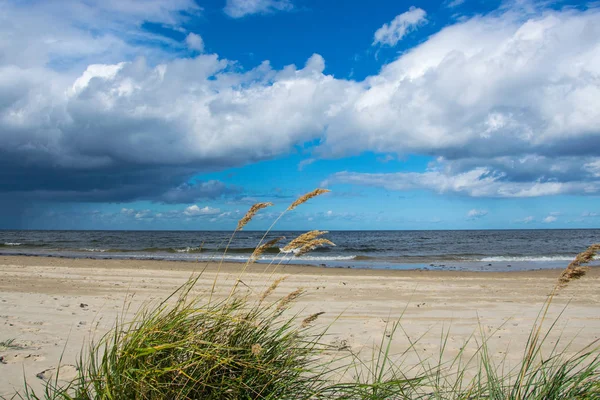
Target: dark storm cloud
x=117, y=184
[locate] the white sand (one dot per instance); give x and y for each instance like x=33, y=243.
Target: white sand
x=53, y=306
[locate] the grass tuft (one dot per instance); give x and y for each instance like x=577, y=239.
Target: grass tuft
x=195, y=350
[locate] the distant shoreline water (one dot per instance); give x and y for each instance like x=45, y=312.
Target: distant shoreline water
x=485, y=250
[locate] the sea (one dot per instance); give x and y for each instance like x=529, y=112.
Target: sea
x=470, y=250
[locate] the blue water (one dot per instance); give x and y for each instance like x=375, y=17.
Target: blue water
x=486, y=250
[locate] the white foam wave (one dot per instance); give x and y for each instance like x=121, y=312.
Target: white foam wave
x=286, y=259
x=93, y=250
x=12, y=244
x=528, y=258
x=292, y=251
x=187, y=250
x=326, y=258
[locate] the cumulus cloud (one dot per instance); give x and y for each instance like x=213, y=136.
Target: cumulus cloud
x=195, y=211
x=476, y=214
x=549, y=219
x=194, y=42
x=144, y=215
x=479, y=182
x=390, y=34
x=489, y=87
x=192, y=211
x=90, y=32
x=506, y=101
x=241, y=8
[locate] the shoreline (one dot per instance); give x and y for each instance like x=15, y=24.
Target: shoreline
x=53, y=307
x=357, y=264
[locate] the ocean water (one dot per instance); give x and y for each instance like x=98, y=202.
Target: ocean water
x=484, y=250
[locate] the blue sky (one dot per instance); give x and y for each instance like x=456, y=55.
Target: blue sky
x=180, y=114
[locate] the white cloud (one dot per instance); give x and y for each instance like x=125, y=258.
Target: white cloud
x=90, y=31
x=527, y=220
x=476, y=214
x=195, y=42
x=479, y=182
x=507, y=102
x=385, y=159
x=390, y=34
x=144, y=215
x=549, y=219
x=241, y=8
x=305, y=163
x=455, y=3
x=499, y=74
x=588, y=214
x=188, y=213
x=194, y=211
x=593, y=168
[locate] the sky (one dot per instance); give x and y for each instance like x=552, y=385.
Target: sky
x=180, y=114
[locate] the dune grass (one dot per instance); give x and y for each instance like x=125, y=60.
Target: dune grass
x=198, y=347
x=189, y=349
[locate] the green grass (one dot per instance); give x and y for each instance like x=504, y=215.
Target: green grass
x=199, y=350
x=190, y=347
x=9, y=344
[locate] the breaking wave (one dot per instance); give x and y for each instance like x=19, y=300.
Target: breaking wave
x=528, y=258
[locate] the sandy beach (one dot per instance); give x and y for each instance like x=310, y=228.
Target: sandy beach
x=54, y=306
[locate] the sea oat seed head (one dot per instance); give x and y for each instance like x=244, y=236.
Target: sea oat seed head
x=271, y=288
x=303, y=239
x=306, y=197
x=263, y=247
x=576, y=268
x=313, y=244
x=312, y=318
x=251, y=213
x=289, y=298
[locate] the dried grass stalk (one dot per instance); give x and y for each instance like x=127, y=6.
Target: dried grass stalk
x=251, y=213
x=306, y=197
x=289, y=298
x=303, y=239
x=263, y=247
x=576, y=269
x=312, y=318
x=313, y=244
x=271, y=288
